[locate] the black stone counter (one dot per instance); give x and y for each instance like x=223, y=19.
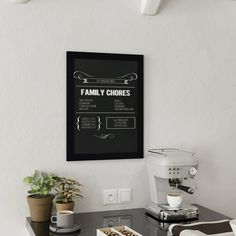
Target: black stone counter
x=134, y=218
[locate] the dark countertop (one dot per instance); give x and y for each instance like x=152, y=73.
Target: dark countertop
x=134, y=218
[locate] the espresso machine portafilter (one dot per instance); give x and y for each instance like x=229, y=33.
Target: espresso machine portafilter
x=176, y=183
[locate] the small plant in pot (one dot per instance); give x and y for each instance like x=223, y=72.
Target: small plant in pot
x=40, y=200
x=66, y=191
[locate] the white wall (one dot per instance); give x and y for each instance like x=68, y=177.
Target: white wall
x=190, y=86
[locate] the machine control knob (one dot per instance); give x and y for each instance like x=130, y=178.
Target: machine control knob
x=192, y=171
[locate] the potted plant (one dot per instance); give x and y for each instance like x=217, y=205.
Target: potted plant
x=66, y=191
x=40, y=200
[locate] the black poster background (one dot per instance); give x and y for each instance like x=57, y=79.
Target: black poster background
x=104, y=110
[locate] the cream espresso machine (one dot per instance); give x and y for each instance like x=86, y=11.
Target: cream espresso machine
x=168, y=170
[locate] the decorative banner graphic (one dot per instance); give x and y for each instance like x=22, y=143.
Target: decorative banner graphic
x=125, y=79
x=104, y=106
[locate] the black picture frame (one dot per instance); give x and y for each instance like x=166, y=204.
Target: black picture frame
x=76, y=144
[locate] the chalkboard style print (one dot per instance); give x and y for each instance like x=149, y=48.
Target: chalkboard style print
x=104, y=106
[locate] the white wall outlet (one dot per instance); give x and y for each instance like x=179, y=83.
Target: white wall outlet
x=109, y=196
x=124, y=195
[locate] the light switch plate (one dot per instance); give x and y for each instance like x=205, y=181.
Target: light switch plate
x=109, y=196
x=124, y=195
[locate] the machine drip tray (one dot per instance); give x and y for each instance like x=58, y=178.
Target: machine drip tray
x=167, y=214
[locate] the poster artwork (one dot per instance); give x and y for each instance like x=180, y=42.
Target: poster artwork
x=104, y=106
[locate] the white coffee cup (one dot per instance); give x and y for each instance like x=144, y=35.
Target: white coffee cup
x=64, y=219
x=174, y=199
x=233, y=226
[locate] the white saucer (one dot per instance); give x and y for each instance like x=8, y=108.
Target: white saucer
x=168, y=207
x=55, y=229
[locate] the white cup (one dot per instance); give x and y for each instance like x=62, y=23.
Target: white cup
x=64, y=219
x=233, y=226
x=174, y=199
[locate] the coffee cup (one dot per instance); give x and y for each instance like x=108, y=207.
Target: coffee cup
x=233, y=226
x=64, y=219
x=174, y=199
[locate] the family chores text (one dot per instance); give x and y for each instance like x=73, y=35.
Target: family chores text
x=105, y=92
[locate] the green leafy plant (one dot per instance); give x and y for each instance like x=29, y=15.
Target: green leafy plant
x=40, y=183
x=66, y=190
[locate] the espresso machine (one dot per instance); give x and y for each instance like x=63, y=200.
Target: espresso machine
x=169, y=170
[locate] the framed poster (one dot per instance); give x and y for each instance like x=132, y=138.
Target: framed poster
x=104, y=106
